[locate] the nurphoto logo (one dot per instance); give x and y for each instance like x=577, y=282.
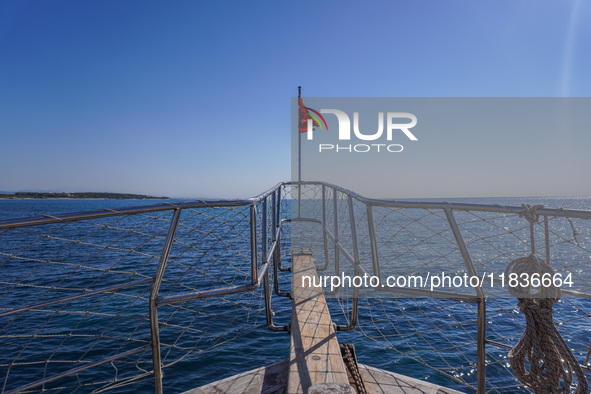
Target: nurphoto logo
x=395, y=122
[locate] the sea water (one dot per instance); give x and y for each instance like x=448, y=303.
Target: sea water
x=260, y=346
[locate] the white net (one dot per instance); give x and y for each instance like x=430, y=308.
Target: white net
x=75, y=290
x=436, y=339
x=102, y=269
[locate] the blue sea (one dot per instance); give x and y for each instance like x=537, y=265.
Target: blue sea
x=207, y=340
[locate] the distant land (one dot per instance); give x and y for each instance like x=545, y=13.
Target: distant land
x=77, y=196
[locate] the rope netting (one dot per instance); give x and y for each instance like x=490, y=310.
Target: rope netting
x=74, y=300
x=75, y=294
x=436, y=338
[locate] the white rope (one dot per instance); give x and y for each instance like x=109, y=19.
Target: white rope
x=551, y=362
x=530, y=214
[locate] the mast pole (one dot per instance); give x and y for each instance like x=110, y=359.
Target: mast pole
x=299, y=141
x=299, y=156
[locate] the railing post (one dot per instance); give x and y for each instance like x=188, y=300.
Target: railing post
x=278, y=222
x=154, y=329
x=324, y=236
x=547, y=239
x=481, y=346
x=372, y=241
x=336, y=232
x=253, y=244
x=279, y=225
x=357, y=259
x=274, y=238
x=276, y=201
x=481, y=329
x=268, y=311
x=265, y=256
x=264, y=231
x=273, y=214
x=299, y=200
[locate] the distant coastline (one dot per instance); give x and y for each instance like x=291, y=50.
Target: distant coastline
x=78, y=196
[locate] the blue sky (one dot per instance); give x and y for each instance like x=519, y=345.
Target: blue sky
x=192, y=98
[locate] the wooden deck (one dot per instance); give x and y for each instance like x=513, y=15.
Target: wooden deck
x=269, y=379
x=272, y=379
x=315, y=365
x=315, y=356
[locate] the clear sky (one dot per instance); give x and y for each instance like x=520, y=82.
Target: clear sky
x=192, y=98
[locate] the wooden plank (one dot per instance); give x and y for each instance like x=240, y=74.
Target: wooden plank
x=315, y=357
x=378, y=381
x=270, y=379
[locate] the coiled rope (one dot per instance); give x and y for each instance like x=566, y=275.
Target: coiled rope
x=551, y=362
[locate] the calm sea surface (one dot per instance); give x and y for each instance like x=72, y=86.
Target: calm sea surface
x=250, y=349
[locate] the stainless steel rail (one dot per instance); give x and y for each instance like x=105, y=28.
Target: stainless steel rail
x=78, y=369
x=86, y=293
x=390, y=203
x=154, y=329
x=259, y=274
x=270, y=231
x=448, y=208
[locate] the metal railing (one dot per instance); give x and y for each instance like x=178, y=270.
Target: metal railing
x=354, y=259
x=335, y=210
x=369, y=205
x=269, y=251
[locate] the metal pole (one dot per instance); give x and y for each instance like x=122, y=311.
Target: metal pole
x=276, y=238
x=481, y=347
x=253, y=243
x=481, y=337
x=279, y=233
x=372, y=241
x=154, y=329
x=265, y=261
x=264, y=231
x=355, y=302
x=299, y=138
x=299, y=157
x=278, y=223
x=273, y=214
x=324, y=237
x=277, y=265
x=336, y=232
x=268, y=310
x=547, y=239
